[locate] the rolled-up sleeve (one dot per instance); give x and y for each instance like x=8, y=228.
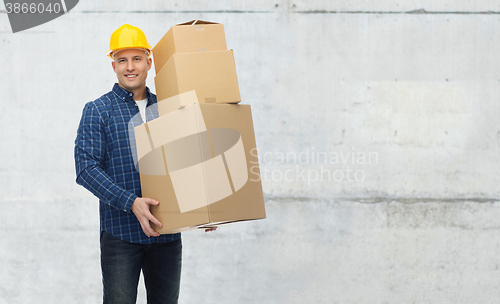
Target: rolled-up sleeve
x=90, y=151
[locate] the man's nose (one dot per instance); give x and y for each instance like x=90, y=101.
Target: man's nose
x=130, y=65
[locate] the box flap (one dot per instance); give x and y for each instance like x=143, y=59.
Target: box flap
x=176, y=102
x=196, y=21
x=176, y=125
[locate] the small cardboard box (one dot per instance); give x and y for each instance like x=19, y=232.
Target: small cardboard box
x=211, y=74
x=199, y=161
x=192, y=36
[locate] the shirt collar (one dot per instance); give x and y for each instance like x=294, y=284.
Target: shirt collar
x=126, y=95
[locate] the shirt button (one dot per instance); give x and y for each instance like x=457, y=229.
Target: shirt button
x=130, y=94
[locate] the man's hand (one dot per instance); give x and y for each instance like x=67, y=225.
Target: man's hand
x=140, y=208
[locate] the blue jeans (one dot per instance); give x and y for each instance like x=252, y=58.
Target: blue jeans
x=122, y=262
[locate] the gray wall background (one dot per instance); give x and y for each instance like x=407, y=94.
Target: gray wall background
x=378, y=138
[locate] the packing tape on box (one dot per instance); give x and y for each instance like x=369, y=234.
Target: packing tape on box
x=204, y=165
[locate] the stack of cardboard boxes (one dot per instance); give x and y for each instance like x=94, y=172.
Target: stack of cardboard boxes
x=199, y=158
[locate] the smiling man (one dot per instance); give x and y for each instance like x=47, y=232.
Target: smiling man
x=131, y=67
x=105, y=166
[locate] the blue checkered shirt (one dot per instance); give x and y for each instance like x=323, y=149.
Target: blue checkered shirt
x=105, y=165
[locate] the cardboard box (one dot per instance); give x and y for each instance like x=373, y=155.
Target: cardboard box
x=199, y=161
x=211, y=74
x=192, y=36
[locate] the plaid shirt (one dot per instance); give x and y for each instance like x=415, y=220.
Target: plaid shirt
x=105, y=164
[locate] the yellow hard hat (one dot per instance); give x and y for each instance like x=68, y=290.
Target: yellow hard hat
x=128, y=37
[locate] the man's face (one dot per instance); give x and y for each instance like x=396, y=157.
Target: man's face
x=131, y=68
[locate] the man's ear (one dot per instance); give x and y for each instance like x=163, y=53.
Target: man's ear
x=149, y=63
x=113, y=64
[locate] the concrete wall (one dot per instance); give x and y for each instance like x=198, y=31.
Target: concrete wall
x=377, y=131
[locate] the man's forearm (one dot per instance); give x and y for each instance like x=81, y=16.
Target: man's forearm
x=101, y=185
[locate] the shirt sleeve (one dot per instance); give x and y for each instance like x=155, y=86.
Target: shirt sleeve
x=90, y=151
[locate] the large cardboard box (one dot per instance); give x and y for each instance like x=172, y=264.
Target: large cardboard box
x=199, y=161
x=211, y=74
x=192, y=36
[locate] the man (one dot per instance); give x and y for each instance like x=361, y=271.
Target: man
x=105, y=166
